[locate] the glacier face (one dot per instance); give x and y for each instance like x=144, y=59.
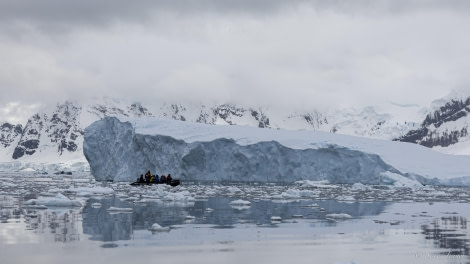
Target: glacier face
x=116, y=153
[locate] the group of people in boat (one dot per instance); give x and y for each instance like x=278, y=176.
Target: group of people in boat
x=150, y=178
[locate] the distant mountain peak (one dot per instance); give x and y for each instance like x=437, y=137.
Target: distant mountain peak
x=442, y=127
x=60, y=131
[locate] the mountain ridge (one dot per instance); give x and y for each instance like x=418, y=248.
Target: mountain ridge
x=61, y=131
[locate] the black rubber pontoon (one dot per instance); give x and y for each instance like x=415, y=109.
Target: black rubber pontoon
x=172, y=183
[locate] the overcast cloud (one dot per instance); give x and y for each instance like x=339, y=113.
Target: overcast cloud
x=287, y=53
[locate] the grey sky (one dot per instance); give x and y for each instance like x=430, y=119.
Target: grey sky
x=271, y=52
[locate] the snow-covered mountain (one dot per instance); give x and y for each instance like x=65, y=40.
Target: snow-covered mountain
x=445, y=126
x=58, y=134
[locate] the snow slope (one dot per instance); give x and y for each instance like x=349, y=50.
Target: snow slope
x=56, y=132
x=403, y=159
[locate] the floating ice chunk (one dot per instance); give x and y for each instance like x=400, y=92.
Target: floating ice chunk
x=346, y=198
x=180, y=196
x=158, y=228
x=59, y=200
x=317, y=184
x=276, y=219
x=277, y=196
x=96, y=205
x=399, y=180
x=338, y=216
x=209, y=210
x=296, y=193
x=119, y=209
x=240, y=203
x=359, y=186
x=240, y=207
x=190, y=217
x=89, y=191
x=314, y=205
x=37, y=206
x=8, y=184
x=233, y=190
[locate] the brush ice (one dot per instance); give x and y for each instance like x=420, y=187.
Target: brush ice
x=59, y=200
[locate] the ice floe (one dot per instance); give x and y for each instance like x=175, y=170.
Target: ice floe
x=59, y=200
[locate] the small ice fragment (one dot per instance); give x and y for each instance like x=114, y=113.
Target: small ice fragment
x=40, y=206
x=339, y=216
x=315, y=205
x=158, y=228
x=119, y=209
x=297, y=216
x=240, y=202
x=96, y=205
x=276, y=219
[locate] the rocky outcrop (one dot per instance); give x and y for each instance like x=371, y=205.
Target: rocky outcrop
x=443, y=127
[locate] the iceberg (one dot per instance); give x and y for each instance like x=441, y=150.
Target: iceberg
x=115, y=152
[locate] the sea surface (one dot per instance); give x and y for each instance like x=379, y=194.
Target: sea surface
x=233, y=224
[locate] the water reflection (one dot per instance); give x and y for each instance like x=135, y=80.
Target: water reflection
x=102, y=225
x=450, y=233
x=58, y=225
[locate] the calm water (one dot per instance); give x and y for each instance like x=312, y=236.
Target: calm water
x=210, y=230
